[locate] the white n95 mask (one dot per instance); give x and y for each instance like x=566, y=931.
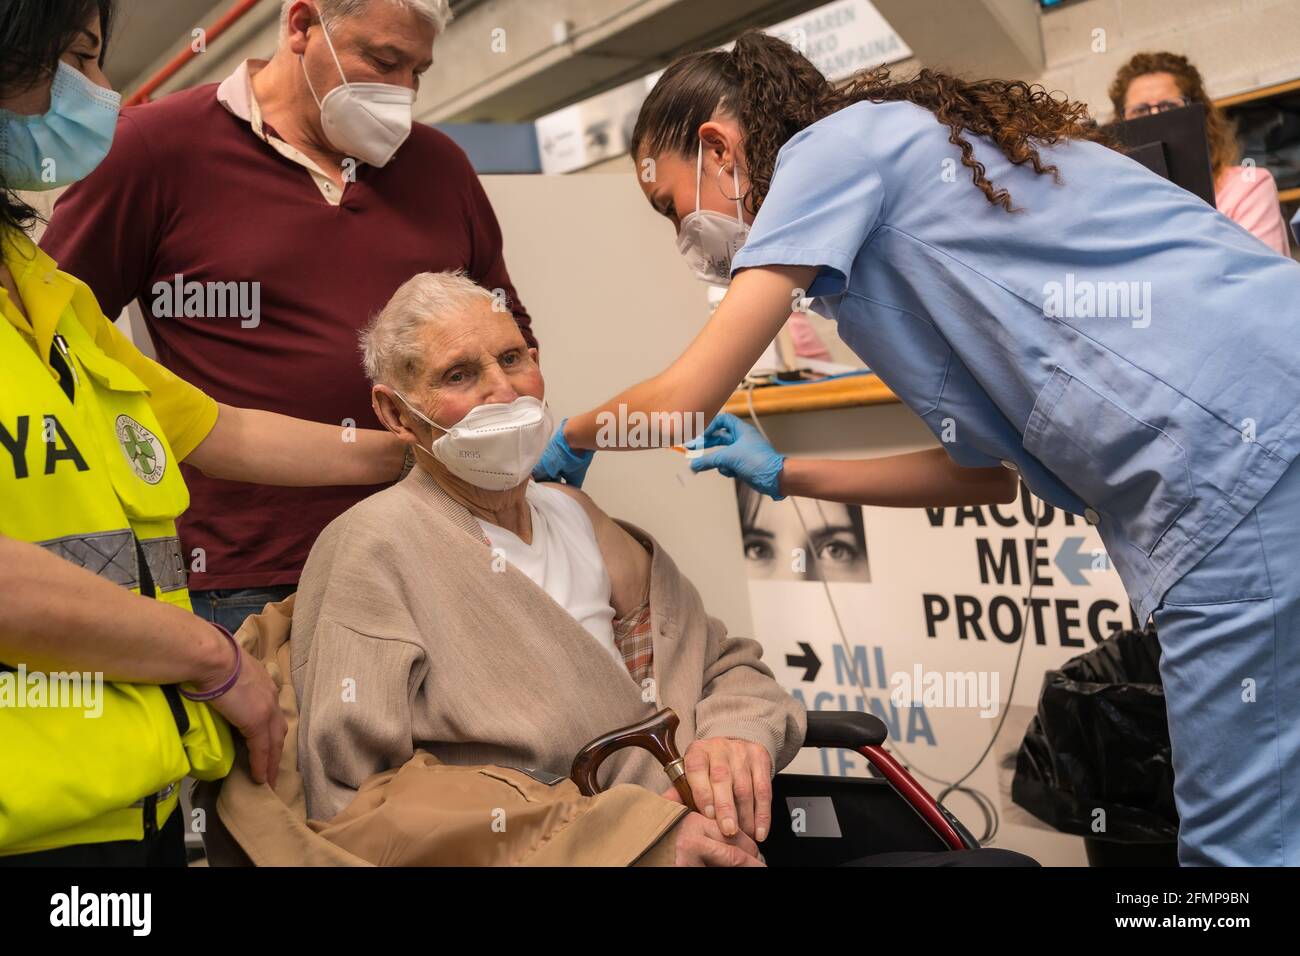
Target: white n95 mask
x=709, y=240
x=367, y=121
x=494, y=447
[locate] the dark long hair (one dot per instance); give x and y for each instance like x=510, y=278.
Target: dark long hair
x=34, y=34
x=775, y=92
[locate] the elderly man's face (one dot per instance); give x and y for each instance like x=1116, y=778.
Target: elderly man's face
x=476, y=358
x=386, y=43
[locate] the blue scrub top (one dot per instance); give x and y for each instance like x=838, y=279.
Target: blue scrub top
x=1132, y=352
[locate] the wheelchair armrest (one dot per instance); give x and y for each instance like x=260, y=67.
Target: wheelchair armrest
x=844, y=728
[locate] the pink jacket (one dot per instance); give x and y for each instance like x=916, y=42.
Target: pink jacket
x=1248, y=196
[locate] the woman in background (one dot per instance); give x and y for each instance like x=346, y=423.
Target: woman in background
x=1155, y=82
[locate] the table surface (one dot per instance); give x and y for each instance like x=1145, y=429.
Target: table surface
x=850, y=392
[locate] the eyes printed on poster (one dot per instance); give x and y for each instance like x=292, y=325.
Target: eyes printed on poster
x=777, y=548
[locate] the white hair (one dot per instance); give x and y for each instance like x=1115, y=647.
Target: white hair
x=392, y=349
x=436, y=12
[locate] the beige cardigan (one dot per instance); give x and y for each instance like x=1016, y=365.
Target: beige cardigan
x=423, y=813
x=405, y=637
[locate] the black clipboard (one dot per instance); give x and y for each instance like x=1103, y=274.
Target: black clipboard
x=1171, y=144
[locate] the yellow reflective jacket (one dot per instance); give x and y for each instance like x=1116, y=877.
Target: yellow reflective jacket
x=93, y=479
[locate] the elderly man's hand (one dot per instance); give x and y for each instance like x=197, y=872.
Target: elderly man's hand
x=700, y=843
x=731, y=782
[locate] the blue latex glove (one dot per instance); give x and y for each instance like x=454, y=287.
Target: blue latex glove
x=741, y=453
x=561, y=463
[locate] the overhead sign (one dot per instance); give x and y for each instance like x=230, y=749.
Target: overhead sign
x=591, y=131
x=840, y=38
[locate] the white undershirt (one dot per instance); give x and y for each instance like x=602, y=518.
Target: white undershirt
x=564, y=560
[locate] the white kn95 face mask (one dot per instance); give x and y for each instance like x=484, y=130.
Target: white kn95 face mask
x=495, y=446
x=709, y=240
x=367, y=121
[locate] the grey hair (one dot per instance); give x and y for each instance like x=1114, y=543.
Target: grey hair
x=436, y=12
x=391, y=347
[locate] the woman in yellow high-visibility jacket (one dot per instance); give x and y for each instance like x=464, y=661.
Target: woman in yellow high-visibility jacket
x=111, y=691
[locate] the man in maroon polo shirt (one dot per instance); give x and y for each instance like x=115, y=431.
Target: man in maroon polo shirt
x=260, y=223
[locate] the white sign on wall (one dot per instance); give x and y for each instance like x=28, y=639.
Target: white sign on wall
x=596, y=129
x=840, y=38
x=930, y=600
x=844, y=37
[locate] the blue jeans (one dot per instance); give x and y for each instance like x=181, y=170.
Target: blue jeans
x=1229, y=635
x=229, y=608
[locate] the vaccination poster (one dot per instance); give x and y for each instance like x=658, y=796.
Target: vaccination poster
x=915, y=615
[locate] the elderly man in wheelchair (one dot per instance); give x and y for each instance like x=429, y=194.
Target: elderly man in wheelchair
x=459, y=637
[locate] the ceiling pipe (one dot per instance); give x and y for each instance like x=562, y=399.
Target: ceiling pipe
x=228, y=20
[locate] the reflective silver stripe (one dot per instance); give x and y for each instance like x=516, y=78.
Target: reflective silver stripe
x=166, y=564
x=110, y=554
x=160, y=796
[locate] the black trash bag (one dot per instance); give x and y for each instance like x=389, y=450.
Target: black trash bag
x=1100, y=741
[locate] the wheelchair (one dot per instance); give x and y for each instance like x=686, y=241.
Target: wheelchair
x=844, y=819
x=833, y=821
x=817, y=820
x=887, y=812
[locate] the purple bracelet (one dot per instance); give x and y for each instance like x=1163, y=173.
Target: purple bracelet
x=230, y=681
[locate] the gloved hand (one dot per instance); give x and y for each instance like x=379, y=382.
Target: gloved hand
x=741, y=453
x=561, y=463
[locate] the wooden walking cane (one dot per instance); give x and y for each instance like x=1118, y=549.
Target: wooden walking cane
x=656, y=734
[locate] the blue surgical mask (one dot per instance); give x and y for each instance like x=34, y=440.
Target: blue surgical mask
x=65, y=144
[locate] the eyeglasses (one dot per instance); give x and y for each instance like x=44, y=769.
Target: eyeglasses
x=1146, y=109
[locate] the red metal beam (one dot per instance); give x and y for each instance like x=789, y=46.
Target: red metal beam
x=228, y=19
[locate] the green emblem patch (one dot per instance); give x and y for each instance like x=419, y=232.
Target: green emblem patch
x=143, y=449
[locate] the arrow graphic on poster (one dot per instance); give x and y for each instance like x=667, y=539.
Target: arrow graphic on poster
x=1073, y=562
x=809, y=661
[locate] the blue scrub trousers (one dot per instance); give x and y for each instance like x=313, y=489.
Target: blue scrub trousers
x=1229, y=635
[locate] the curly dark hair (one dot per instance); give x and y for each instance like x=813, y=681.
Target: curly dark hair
x=1219, y=130
x=774, y=91
x=34, y=34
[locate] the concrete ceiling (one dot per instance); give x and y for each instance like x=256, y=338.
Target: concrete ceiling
x=622, y=40
x=647, y=39
x=612, y=42
x=146, y=30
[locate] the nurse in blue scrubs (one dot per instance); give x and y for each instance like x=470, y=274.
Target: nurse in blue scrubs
x=1052, y=310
